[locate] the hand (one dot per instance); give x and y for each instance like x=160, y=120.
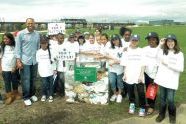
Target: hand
x=19, y=64
x=55, y=72
x=141, y=79
x=164, y=62
x=14, y=69
x=124, y=78
x=111, y=62
x=125, y=49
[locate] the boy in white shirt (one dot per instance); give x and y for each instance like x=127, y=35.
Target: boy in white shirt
x=134, y=74
x=59, y=85
x=171, y=63
x=45, y=69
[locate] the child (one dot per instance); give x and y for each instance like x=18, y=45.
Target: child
x=105, y=44
x=81, y=41
x=61, y=65
x=171, y=63
x=92, y=45
x=45, y=69
x=150, y=54
x=134, y=74
x=115, y=69
x=72, y=44
x=104, y=49
x=8, y=64
x=126, y=34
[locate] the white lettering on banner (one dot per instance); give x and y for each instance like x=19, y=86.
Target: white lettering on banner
x=63, y=54
x=55, y=28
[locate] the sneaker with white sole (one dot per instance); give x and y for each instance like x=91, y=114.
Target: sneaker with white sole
x=50, y=99
x=34, y=98
x=131, y=108
x=141, y=112
x=119, y=99
x=113, y=98
x=27, y=102
x=70, y=100
x=43, y=98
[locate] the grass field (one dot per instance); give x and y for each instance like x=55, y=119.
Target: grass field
x=96, y=114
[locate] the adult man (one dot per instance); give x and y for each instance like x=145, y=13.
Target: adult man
x=27, y=43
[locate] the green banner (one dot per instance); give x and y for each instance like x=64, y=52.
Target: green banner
x=88, y=74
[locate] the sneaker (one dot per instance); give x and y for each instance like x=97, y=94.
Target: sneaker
x=119, y=99
x=131, y=108
x=27, y=102
x=70, y=100
x=43, y=98
x=141, y=112
x=113, y=98
x=50, y=99
x=34, y=98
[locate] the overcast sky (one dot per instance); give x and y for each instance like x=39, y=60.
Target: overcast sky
x=41, y=10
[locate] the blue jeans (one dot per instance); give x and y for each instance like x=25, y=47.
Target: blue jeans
x=47, y=85
x=115, y=81
x=167, y=95
x=11, y=80
x=28, y=77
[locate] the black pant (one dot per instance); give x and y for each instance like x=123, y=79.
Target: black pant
x=140, y=92
x=61, y=83
x=148, y=81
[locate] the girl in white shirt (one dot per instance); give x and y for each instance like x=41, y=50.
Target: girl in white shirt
x=171, y=63
x=134, y=74
x=126, y=34
x=104, y=48
x=150, y=55
x=115, y=69
x=81, y=41
x=45, y=69
x=8, y=65
x=92, y=46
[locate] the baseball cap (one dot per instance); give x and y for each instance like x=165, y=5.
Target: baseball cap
x=152, y=34
x=172, y=37
x=135, y=37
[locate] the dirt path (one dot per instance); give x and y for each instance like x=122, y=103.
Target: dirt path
x=181, y=118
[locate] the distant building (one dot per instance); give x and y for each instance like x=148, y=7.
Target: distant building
x=161, y=22
x=74, y=22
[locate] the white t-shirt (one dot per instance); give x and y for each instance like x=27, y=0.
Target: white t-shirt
x=104, y=49
x=45, y=68
x=168, y=76
x=72, y=47
x=92, y=47
x=132, y=60
x=150, y=58
x=60, y=62
x=8, y=59
x=125, y=44
x=117, y=54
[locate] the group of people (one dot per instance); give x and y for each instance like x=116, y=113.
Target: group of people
x=128, y=65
